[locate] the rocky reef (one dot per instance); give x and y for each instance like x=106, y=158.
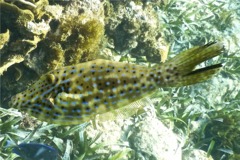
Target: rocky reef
x=133, y=28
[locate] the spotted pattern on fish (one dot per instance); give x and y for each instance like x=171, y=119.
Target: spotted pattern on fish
x=74, y=94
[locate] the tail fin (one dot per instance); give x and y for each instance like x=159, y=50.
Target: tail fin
x=186, y=61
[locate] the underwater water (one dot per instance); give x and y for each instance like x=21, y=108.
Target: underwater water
x=174, y=120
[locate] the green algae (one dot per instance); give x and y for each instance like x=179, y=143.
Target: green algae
x=80, y=40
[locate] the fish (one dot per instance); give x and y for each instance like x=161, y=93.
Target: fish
x=75, y=94
x=35, y=151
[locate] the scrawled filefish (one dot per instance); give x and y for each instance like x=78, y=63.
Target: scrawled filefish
x=72, y=94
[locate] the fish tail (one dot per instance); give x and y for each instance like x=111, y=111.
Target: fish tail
x=180, y=70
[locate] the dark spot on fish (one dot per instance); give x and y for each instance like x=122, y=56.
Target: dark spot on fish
x=95, y=105
x=151, y=75
x=88, y=109
x=107, y=70
x=97, y=98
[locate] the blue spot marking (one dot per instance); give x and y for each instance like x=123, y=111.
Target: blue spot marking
x=64, y=103
x=64, y=110
x=114, y=89
x=37, y=105
x=76, y=110
x=80, y=88
x=87, y=79
x=47, y=108
x=56, y=114
x=88, y=109
x=79, y=75
x=101, y=91
x=111, y=96
x=74, y=71
x=94, y=85
x=118, y=81
x=107, y=83
x=85, y=103
x=90, y=92
x=73, y=103
x=96, y=99
x=105, y=102
x=62, y=88
x=135, y=85
x=100, y=77
x=65, y=81
x=69, y=116
x=79, y=95
x=36, y=110
x=122, y=94
x=94, y=78
x=114, y=102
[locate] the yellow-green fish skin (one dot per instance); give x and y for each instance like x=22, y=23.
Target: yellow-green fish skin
x=74, y=94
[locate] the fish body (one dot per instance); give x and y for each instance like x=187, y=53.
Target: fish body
x=35, y=151
x=73, y=94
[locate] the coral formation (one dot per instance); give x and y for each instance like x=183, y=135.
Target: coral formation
x=4, y=37
x=133, y=27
